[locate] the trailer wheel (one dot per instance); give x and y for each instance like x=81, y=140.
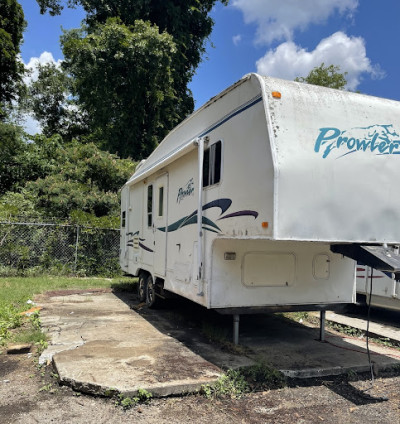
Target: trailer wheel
x=141, y=291
x=151, y=297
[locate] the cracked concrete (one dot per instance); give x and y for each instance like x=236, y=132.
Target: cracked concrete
x=98, y=343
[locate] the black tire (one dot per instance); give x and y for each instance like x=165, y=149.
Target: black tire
x=151, y=296
x=142, y=291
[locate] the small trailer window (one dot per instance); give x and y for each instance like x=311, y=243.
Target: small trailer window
x=123, y=219
x=212, y=164
x=161, y=201
x=149, y=205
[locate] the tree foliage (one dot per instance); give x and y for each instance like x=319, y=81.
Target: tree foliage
x=12, y=25
x=59, y=179
x=49, y=98
x=12, y=145
x=189, y=24
x=122, y=77
x=326, y=76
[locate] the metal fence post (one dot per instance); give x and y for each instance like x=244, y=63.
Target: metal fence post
x=76, y=249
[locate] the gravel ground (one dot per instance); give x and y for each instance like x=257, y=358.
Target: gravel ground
x=31, y=395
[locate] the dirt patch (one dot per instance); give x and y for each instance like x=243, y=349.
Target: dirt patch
x=33, y=395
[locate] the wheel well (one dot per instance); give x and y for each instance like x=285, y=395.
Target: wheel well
x=143, y=272
x=159, y=282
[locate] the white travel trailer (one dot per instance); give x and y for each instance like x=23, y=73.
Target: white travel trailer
x=378, y=288
x=259, y=199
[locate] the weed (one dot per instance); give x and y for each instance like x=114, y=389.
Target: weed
x=41, y=345
x=127, y=402
x=35, y=320
x=46, y=388
x=232, y=384
x=144, y=396
x=262, y=376
x=9, y=319
x=361, y=334
x=110, y=392
x=345, y=329
x=385, y=341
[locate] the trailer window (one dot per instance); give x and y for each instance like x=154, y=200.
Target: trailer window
x=149, y=205
x=212, y=164
x=161, y=201
x=123, y=219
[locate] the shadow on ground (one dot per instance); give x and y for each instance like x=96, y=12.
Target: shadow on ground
x=274, y=339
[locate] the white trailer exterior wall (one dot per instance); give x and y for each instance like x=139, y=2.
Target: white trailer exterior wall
x=295, y=170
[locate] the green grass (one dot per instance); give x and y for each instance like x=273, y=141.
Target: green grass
x=16, y=291
x=29, y=336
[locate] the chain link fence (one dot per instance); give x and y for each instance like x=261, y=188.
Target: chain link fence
x=35, y=248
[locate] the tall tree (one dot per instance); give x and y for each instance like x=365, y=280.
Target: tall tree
x=12, y=25
x=122, y=76
x=326, y=76
x=187, y=21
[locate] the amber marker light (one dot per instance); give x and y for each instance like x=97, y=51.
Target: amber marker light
x=264, y=224
x=276, y=95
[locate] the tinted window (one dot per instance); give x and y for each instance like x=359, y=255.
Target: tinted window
x=212, y=164
x=149, y=205
x=161, y=201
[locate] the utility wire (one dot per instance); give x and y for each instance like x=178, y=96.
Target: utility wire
x=368, y=320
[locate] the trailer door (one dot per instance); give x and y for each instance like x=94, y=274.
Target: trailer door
x=160, y=224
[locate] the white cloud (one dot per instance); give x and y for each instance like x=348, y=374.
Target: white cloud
x=278, y=19
x=44, y=58
x=236, y=39
x=289, y=60
x=29, y=123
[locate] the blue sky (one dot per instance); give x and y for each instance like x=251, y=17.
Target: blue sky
x=281, y=38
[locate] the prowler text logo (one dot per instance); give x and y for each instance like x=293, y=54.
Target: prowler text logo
x=377, y=139
x=185, y=191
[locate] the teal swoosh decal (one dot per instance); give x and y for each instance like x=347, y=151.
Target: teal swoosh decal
x=223, y=204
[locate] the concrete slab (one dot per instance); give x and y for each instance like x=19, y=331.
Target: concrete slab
x=297, y=352
x=98, y=343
